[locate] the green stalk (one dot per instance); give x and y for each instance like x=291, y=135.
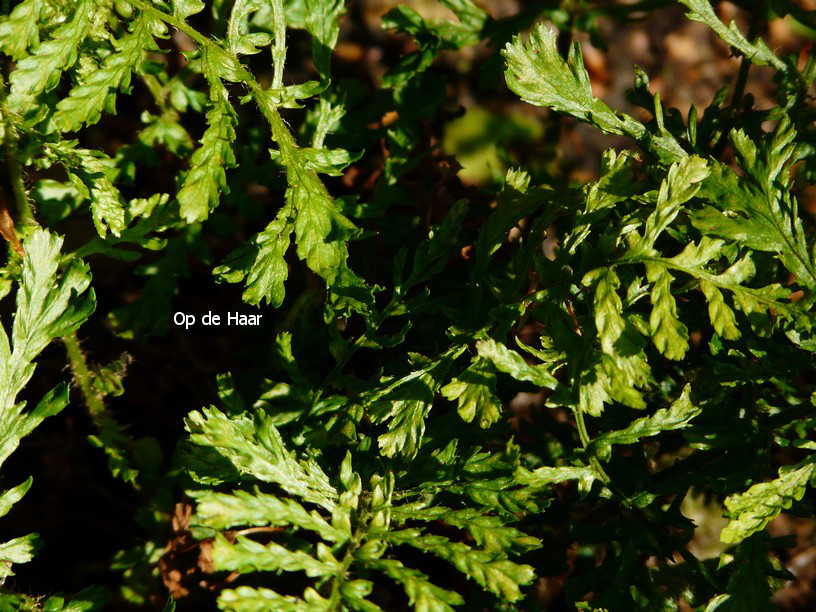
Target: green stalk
x=26, y=215
x=112, y=438
x=83, y=377
x=739, y=86
x=279, y=50
x=17, y=183
x=583, y=436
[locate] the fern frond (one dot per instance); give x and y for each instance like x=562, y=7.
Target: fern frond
x=538, y=74
x=752, y=510
x=49, y=306
x=362, y=530
x=41, y=71
x=97, y=93
x=20, y=31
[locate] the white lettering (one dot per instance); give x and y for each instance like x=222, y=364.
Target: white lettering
x=235, y=318
x=211, y=319
x=184, y=319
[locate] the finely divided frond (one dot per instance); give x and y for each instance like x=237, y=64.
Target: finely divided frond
x=758, y=52
x=97, y=92
x=49, y=306
x=752, y=510
x=538, y=74
x=20, y=30
x=758, y=210
x=41, y=71
x=364, y=530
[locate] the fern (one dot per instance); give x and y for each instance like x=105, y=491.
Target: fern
x=763, y=202
x=19, y=31
x=757, y=52
x=92, y=173
x=85, y=103
x=361, y=529
x=207, y=177
x=41, y=70
x=533, y=388
x=538, y=74
x=48, y=307
x=756, y=507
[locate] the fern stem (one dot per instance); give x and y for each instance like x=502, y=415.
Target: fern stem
x=739, y=86
x=583, y=436
x=335, y=598
x=18, y=184
x=172, y=20
x=349, y=351
x=279, y=50
x=715, y=279
x=26, y=217
x=111, y=435
x=84, y=377
x=157, y=90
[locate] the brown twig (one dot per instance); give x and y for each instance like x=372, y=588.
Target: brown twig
x=7, y=228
